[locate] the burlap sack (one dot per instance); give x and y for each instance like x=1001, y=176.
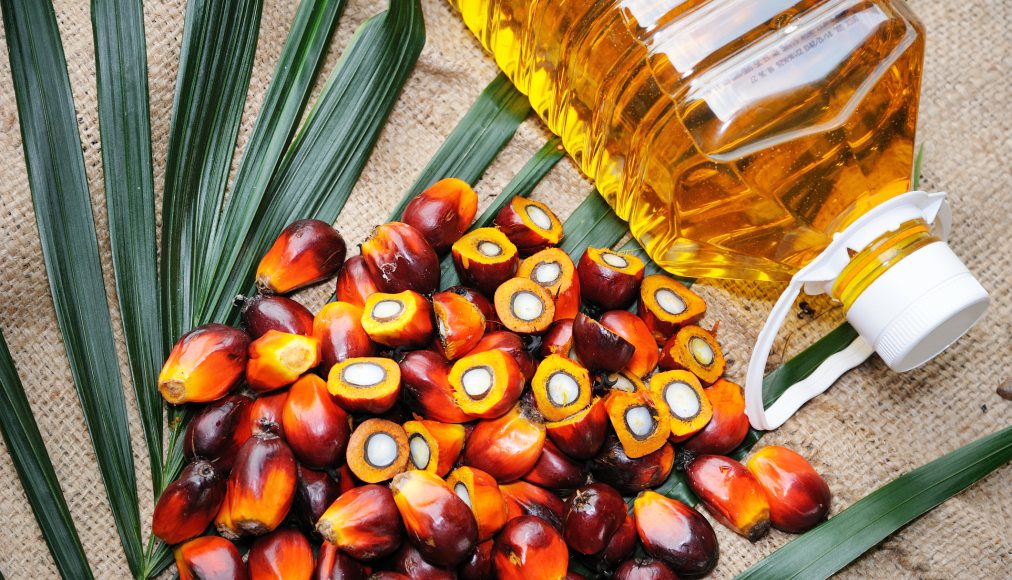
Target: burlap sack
x=871, y=427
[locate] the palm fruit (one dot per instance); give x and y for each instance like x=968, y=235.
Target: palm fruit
x=485, y=258
x=798, y=496
x=355, y=282
x=675, y=533
x=483, y=304
x=665, y=304
x=640, y=421
x=408, y=560
x=401, y=320
x=377, y=450
x=526, y=499
x=506, y=447
x=524, y=306
x=438, y=523
x=612, y=466
x=388, y=575
x=338, y=327
x=218, y=431
x=306, y=252
x=204, y=365
x=727, y=427
x=529, y=224
x=427, y=389
x=731, y=494
x=363, y=523
x=261, y=486
x=487, y=384
x=553, y=269
x=209, y=558
x=399, y=258
x=284, y=554
x=480, y=492
x=277, y=359
x=479, y=564
x=443, y=212
x=265, y=415
x=510, y=344
x=598, y=347
x=635, y=332
x=529, y=548
x=620, y=546
x=314, y=492
x=459, y=324
x=333, y=564
x=434, y=446
x=561, y=388
x=582, y=434
x=644, y=569
x=315, y=427
x=265, y=312
x=556, y=470
x=594, y=513
x=696, y=350
x=623, y=381
x=609, y=280
x=558, y=339
x=366, y=384
x=688, y=406
x=189, y=504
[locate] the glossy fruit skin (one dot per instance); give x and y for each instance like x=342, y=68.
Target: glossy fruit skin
x=261, y=487
x=731, y=494
x=306, y=252
x=314, y=492
x=204, y=364
x=798, y=496
x=479, y=565
x=408, y=560
x=620, y=546
x=460, y=326
x=447, y=438
x=364, y=523
x=443, y=212
x=482, y=303
x=598, y=347
x=438, y=523
x=399, y=258
x=510, y=344
x=676, y=533
x=355, y=283
x=556, y=470
x=644, y=569
x=607, y=288
x=527, y=239
x=581, y=438
x=506, y=447
x=265, y=415
x=209, y=558
x=218, y=431
x=612, y=466
x=333, y=564
x=635, y=332
x=486, y=499
x=527, y=499
x=265, y=312
x=729, y=424
x=338, y=327
x=426, y=388
x=594, y=513
x=558, y=339
x=189, y=504
x=529, y=548
x=268, y=367
x=284, y=554
x=315, y=427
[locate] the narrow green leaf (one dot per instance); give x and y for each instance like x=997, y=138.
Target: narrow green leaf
x=476, y=140
x=592, y=223
x=122, y=81
x=916, y=180
x=66, y=226
x=828, y=548
x=38, y=478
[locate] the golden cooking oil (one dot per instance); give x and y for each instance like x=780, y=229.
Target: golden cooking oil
x=735, y=136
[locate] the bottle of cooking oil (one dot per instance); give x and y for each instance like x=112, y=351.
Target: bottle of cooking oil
x=764, y=140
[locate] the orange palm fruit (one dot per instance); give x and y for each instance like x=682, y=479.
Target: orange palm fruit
x=527, y=499
x=696, y=350
x=582, y=434
x=434, y=446
x=594, y=513
x=261, y=487
x=401, y=320
x=365, y=384
x=377, y=450
x=482, y=303
x=204, y=365
x=688, y=406
x=524, y=306
x=644, y=569
x=598, y=347
x=284, y=554
x=529, y=224
x=209, y=558
x=338, y=327
x=333, y=564
x=399, y=258
x=408, y=560
x=189, y=504
x=479, y=565
x=443, y=212
x=314, y=492
x=218, y=431
x=480, y=492
x=306, y=252
x=727, y=427
x=609, y=280
x=628, y=475
x=315, y=427
x=265, y=312
x=426, y=387
x=556, y=470
x=485, y=258
x=623, y=381
x=635, y=332
x=487, y=384
x=665, y=304
x=277, y=359
x=554, y=270
x=438, y=523
x=459, y=324
x=506, y=447
x=731, y=494
x=530, y=548
x=558, y=339
x=798, y=496
x=355, y=283
x=510, y=344
x=561, y=388
x=266, y=412
x=675, y=533
x=363, y=523
x=640, y=421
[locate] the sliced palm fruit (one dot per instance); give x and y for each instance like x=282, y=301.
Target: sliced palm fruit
x=561, y=387
x=555, y=271
x=609, y=280
x=665, y=304
x=484, y=259
x=377, y=450
x=524, y=306
x=278, y=359
x=434, y=446
x=640, y=421
x=460, y=324
x=696, y=350
x=402, y=320
x=480, y=492
x=624, y=381
x=486, y=384
x=365, y=384
x=635, y=332
x=687, y=404
x=529, y=224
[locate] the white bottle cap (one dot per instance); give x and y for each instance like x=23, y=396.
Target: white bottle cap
x=918, y=307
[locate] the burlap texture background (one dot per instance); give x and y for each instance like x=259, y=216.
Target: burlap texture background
x=871, y=427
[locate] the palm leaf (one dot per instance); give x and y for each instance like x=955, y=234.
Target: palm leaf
x=66, y=226
x=592, y=223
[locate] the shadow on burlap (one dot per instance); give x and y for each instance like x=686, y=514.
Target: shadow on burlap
x=871, y=427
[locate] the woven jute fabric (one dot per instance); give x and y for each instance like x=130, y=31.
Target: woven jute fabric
x=872, y=426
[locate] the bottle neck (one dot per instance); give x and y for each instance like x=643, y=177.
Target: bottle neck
x=877, y=257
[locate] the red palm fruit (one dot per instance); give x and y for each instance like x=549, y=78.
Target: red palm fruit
x=581, y=435
x=594, y=513
x=529, y=548
x=556, y=470
x=338, y=327
x=314, y=493
x=486, y=384
x=665, y=305
x=561, y=388
x=306, y=252
x=333, y=564
x=434, y=446
x=204, y=365
x=315, y=427
x=265, y=415
x=265, y=312
x=399, y=258
x=598, y=347
x=355, y=283
x=481, y=303
x=388, y=575
x=459, y=324
x=189, y=503
x=506, y=447
x=365, y=384
x=408, y=560
x=676, y=533
x=527, y=499
x=401, y=320
x=284, y=554
x=443, y=212
x=689, y=409
x=731, y=494
x=558, y=339
x=426, y=387
x=635, y=332
x=364, y=523
x=554, y=271
x=438, y=523
x=209, y=558
x=261, y=486
x=620, y=546
x=529, y=224
x=277, y=359
x=510, y=344
x=480, y=492
x=798, y=496
x=609, y=280
x=644, y=569
x=727, y=427
x=640, y=421
x=218, y=431
x=523, y=306
x=377, y=450
x=612, y=466
x=479, y=564
x=696, y=350
x=485, y=258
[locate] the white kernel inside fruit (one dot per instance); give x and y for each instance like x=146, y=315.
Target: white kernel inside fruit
x=622, y=383
x=381, y=450
x=614, y=260
x=539, y=217
x=461, y=490
x=639, y=421
x=364, y=374
x=490, y=249
x=547, y=273
x=418, y=447
x=527, y=306
x=562, y=389
x=477, y=381
x=681, y=399
x=701, y=351
x=386, y=309
x=669, y=301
